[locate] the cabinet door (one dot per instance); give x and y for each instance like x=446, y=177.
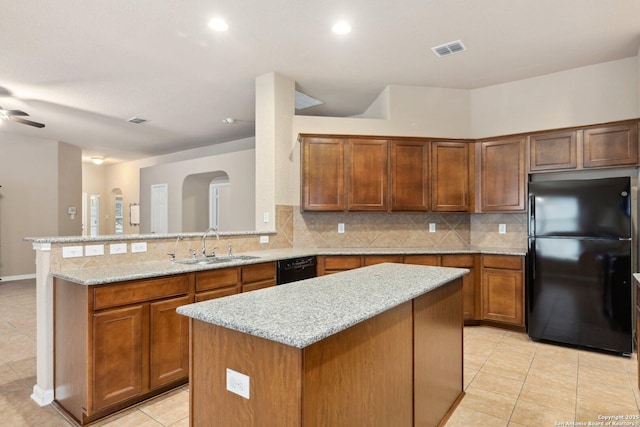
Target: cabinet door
x=470, y=293
x=120, y=355
x=323, y=174
x=503, y=175
x=503, y=289
x=169, y=348
x=611, y=145
x=368, y=175
x=553, y=151
x=410, y=175
x=450, y=177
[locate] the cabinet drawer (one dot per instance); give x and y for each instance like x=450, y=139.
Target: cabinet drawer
x=259, y=272
x=378, y=259
x=254, y=286
x=217, y=293
x=341, y=262
x=457, y=261
x=502, y=261
x=138, y=291
x=220, y=278
x=433, y=260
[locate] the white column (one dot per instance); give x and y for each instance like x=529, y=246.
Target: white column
x=43, y=390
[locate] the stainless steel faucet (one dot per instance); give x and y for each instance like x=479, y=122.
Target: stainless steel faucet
x=173, y=255
x=204, y=241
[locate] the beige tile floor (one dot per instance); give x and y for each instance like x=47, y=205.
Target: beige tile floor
x=509, y=380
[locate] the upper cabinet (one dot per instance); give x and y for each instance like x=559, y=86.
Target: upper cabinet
x=389, y=175
x=323, y=180
x=450, y=176
x=615, y=145
x=602, y=146
x=502, y=175
x=553, y=151
x=410, y=175
x=368, y=188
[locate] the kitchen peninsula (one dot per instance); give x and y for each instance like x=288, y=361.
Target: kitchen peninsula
x=380, y=345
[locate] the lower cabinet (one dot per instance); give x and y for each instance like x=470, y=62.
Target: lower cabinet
x=503, y=289
x=118, y=344
x=257, y=276
x=493, y=291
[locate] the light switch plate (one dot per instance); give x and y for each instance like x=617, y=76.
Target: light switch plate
x=341, y=227
x=265, y=217
x=94, y=250
x=138, y=247
x=432, y=227
x=502, y=228
x=118, y=248
x=71, y=251
x=238, y=383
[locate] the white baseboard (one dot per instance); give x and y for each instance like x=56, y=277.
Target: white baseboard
x=19, y=277
x=42, y=397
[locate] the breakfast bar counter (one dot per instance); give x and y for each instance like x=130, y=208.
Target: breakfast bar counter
x=380, y=345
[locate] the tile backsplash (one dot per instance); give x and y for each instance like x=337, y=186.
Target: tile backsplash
x=388, y=230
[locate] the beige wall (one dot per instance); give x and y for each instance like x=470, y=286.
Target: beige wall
x=594, y=94
x=39, y=181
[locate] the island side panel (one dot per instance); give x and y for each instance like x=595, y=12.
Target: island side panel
x=70, y=343
x=362, y=375
x=438, y=329
x=274, y=370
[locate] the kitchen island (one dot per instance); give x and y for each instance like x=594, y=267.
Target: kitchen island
x=376, y=346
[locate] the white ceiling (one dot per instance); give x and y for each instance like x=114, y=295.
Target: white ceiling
x=83, y=67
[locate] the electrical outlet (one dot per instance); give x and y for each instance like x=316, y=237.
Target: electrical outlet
x=71, y=251
x=265, y=217
x=341, y=227
x=117, y=248
x=238, y=383
x=502, y=228
x=432, y=227
x=94, y=250
x=138, y=247
x=264, y=239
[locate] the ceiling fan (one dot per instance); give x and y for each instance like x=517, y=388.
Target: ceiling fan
x=16, y=116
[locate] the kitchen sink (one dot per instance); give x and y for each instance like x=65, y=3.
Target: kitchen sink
x=215, y=260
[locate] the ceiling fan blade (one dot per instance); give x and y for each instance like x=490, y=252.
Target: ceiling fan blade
x=12, y=112
x=26, y=122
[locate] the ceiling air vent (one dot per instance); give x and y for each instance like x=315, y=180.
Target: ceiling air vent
x=137, y=120
x=449, y=48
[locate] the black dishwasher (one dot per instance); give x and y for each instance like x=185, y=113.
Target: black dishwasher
x=294, y=269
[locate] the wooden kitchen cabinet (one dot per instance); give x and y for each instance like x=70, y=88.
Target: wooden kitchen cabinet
x=368, y=188
x=503, y=289
x=323, y=174
x=329, y=264
x=258, y=276
x=450, y=176
x=470, y=284
x=120, y=355
x=553, y=151
x=611, y=145
x=379, y=259
x=410, y=175
x=502, y=175
x=217, y=283
x=118, y=344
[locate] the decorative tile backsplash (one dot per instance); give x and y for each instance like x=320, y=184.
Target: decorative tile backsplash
x=389, y=230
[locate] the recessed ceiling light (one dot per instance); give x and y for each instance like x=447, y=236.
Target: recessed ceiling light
x=229, y=121
x=218, y=24
x=98, y=160
x=341, y=28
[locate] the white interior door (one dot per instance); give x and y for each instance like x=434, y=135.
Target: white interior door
x=160, y=208
x=94, y=215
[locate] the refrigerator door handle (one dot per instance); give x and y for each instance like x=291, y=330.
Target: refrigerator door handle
x=532, y=257
x=532, y=215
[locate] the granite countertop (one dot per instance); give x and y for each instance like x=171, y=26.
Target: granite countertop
x=302, y=313
x=120, y=273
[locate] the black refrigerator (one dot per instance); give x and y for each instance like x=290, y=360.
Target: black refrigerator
x=579, y=273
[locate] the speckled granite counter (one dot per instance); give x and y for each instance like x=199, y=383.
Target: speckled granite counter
x=302, y=313
x=119, y=273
